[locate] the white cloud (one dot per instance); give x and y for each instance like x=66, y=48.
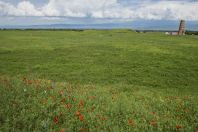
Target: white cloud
x=171, y=10
x=24, y=8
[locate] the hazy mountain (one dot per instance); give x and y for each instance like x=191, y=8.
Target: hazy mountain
x=141, y=25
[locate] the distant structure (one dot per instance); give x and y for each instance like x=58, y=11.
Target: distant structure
x=174, y=33
x=181, y=28
x=171, y=33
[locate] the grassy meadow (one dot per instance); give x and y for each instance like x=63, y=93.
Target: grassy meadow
x=98, y=80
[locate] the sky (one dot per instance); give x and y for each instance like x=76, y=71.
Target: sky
x=33, y=12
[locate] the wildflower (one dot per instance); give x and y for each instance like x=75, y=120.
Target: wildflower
x=93, y=97
x=81, y=117
x=83, y=129
x=63, y=100
x=49, y=81
x=178, y=126
x=131, y=122
x=153, y=123
x=68, y=106
x=29, y=82
x=78, y=113
x=62, y=130
x=81, y=103
x=56, y=119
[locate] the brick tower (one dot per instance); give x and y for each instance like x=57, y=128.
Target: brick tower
x=181, y=28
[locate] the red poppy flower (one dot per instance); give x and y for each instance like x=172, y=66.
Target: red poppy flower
x=93, y=97
x=81, y=117
x=131, y=122
x=78, y=113
x=56, y=119
x=29, y=82
x=178, y=126
x=62, y=130
x=68, y=106
x=83, y=129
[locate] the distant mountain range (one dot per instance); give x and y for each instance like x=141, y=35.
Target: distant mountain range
x=139, y=25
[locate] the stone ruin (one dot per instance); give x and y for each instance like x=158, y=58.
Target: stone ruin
x=181, y=28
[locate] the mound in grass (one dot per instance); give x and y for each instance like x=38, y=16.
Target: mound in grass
x=42, y=105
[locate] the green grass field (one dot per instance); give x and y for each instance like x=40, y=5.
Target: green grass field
x=98, y=80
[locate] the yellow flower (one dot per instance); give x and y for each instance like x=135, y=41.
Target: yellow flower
x=49, y=81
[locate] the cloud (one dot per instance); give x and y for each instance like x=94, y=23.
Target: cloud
x=114, y=9
x=24, y=8
x=171, y=10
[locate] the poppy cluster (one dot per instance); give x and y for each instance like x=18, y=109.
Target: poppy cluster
x=55, y=119
x=36, y=82
x=79, y=115
x=178, y=126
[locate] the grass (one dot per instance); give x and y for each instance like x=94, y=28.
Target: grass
x=98, y=80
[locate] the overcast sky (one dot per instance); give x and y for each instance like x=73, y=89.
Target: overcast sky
x=73, y=11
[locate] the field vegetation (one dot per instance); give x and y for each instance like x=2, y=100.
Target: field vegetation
x=98, y=80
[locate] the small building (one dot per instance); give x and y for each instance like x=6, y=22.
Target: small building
x=174, y=33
